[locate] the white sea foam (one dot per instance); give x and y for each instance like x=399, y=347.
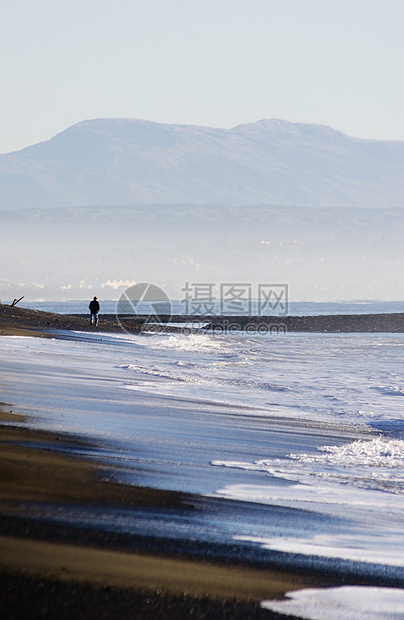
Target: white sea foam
x=345, y=603
x=315, y=379
x=189, y=342
x=376, y=464
x=352, y=546
x=362, y=479
x=166, y=373
x=196, y=376
x=314, y=493
x=379, y=452
x=391, y=390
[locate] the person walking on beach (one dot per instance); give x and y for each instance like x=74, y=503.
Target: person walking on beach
x=94, y=309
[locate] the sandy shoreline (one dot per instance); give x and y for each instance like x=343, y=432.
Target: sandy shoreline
x=92, y=574
x=25, y=322
x=33, y=469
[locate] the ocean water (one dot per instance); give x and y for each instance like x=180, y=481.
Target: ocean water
x=293, y=444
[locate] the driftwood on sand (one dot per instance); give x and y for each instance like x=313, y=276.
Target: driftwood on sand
x=15, y=301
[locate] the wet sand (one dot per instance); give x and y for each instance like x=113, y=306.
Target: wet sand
x=62, y=569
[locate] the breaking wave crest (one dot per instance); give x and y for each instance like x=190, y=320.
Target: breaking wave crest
x=391, y=390
x=376, y=464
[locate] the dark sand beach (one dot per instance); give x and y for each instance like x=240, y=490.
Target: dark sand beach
x=56, y=571
x=26, y=322
x=59, y=572
x=23, y=321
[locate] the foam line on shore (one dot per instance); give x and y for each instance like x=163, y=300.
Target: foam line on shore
x=36, y=472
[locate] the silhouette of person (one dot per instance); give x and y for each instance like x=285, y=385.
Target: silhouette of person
x=94, y=309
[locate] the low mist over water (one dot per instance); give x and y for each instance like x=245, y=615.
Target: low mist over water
x=322, y=254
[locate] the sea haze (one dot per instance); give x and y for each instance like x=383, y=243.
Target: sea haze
x=110, y=202
x=325, y=254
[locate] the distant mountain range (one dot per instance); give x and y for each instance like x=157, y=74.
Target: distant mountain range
x=123, y=161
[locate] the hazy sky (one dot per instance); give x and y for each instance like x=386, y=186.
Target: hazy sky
x=209, y=62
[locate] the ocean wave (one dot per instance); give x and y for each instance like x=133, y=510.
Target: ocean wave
x=376, y=464
x=205, y=379
x=391, y=390
x=377, y=452
x=190, y=342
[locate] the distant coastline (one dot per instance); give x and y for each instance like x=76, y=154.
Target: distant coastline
x=14, y=320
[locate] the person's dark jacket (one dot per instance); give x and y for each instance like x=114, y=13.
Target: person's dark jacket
x=94, y=306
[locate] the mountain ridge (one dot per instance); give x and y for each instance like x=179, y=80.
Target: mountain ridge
x=124, y=161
